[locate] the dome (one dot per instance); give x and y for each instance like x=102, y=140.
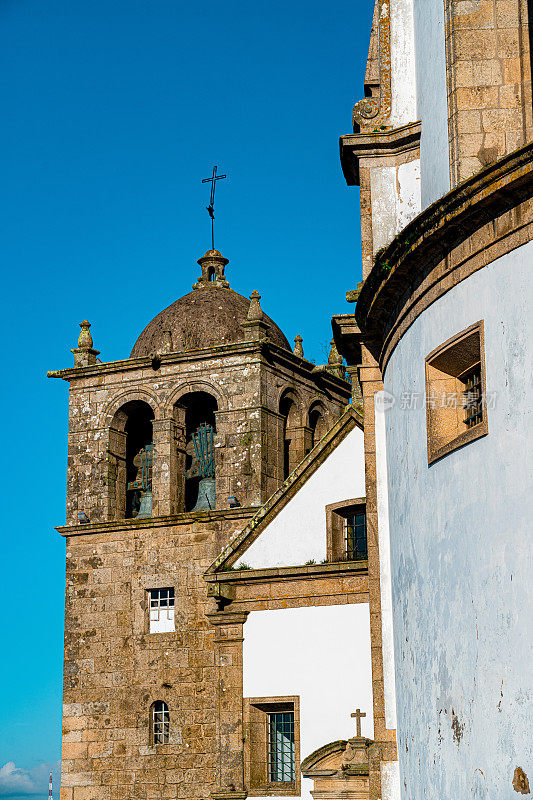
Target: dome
x=212, y=314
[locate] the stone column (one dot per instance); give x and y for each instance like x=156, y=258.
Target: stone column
x=228, y=659
x=169, y=456
x=115, y=488
x=385, y=744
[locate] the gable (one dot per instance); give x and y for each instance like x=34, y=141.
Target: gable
x=297, y=534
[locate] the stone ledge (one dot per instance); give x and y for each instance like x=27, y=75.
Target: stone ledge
x=370, y=144
x=335, y=568
x=186, y=518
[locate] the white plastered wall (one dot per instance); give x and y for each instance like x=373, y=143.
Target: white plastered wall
x=395, y=195
x=321, y=654
x=403, y=76
x=298, y=533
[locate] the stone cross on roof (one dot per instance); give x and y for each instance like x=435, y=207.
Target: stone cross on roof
x=358, y=715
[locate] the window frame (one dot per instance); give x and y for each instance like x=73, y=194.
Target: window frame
x=165, y=722
x=435, y=420
x=257, y=764
x=149, y=606
x=336, y=518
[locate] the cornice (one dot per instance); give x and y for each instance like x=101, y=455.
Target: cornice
x=170, y=520
x=375, y=144
x=405, y=266
x=265, y=349
x=329, y=569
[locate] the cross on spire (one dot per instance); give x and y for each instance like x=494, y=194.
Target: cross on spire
x=358, y=715
x=211, y=207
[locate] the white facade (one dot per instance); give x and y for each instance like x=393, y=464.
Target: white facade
x=298, y=533
x=429, y=56
x=321, y=654
x=461, y=555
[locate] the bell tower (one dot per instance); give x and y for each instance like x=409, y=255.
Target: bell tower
x=171, y=451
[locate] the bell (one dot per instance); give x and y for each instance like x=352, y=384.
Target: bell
x=206, y=495
x=145, y=509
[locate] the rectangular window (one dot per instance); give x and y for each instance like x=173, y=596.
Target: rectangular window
x=355, y=536
x=272, y=746
x=281, y=746
x=346, y=530
x=161, y=610
x=456, y=404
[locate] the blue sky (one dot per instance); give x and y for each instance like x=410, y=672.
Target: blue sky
x=113, y=111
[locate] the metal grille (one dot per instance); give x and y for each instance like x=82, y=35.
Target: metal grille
x=281, y=746
x=355, y=536
x=161, y=604
x=473, y=398
x=160, y=723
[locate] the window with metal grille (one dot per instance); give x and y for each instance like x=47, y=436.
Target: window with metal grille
x=281, y=746
x=355, y=536
x=160, y=722
x=473, y=397
x=161, y=610
x=456, y=398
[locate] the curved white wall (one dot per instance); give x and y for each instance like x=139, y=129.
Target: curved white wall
x=461, y=553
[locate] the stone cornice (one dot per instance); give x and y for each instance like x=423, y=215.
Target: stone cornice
x=329, y=569
x=172, y=520
x=373, y=144
x=268, y=350
x=424, y=260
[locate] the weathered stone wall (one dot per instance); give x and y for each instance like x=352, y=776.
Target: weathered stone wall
x=115, y=669
x=249, y=439
x=489, y=82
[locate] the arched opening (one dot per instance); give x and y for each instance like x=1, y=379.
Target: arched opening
x=317, y=424
x=159, y=723
x=131, y=458
x=211, y=275
x=198, y=410
x=289, y=412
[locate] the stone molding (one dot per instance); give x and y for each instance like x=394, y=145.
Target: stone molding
x=481, y=220
x=265, y=349
x=376, y=144
x=373, y=111
x=166, y=521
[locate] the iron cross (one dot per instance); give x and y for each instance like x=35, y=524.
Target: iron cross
x=358, y=714
x=211, y=207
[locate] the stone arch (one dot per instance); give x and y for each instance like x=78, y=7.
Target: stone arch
x=110, y=413
x=129, y=423
x=193, y=386
x=292, y=434
x=318, y=422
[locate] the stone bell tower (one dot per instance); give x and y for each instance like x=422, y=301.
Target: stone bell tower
x=171, y=451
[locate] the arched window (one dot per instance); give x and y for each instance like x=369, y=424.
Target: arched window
x=289, y=411
x=159, y=723
x=317, y=424
x=197, y=410
x=211, y=274
x=130, y=461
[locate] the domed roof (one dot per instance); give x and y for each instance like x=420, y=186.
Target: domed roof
x=212, y=314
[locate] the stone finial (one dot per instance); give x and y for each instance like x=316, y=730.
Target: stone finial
x=298, y=349
x=166, y=342
x=84, y=353
x=255, y=326
x=255, y=312
x=335, y=364
x=213, y=264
